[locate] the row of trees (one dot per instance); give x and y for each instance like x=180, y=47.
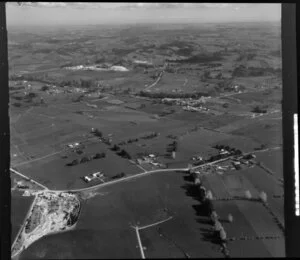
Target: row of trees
x=172, y=95
x=86, y=159
x=123, y=153
x=150, y=136
x=206, y=198
x=133, y=140
x=118, y=176
x=259, y=110
x=242, y=71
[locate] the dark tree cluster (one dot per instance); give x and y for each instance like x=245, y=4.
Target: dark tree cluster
x=232, y=150
x=242, y=71
x=258, y=110
x=172, y=147
x=118, y=176
x=124, y=154
x=150, y=136
x=115, y=148
x=86, y=159
x=86, y=83
x=97, y=133
x=45, y=88
x=172, y=95
x=99, y=155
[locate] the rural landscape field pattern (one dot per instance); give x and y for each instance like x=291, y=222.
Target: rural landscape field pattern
x=146, y=141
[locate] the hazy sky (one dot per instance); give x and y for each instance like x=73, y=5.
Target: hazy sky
x=66, y=13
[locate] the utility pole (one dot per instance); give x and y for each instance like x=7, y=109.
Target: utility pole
x=5, y=198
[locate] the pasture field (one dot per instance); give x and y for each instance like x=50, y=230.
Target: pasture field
x=268, y=132
x=19, y=208
x=137, y=202
x=251, y=218
x=245, y=224
x=145, y=202
x=273, y=160
x=54, y=174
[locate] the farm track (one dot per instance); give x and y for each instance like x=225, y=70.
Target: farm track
x=158, y=79
x=38, y=159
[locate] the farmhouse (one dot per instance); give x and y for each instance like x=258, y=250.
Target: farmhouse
x=87, y=179
x=73, y=145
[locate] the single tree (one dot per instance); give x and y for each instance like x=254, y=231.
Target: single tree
x=230, y=218
x=223, y=235
x=213, y=215
x=209, y=195
x=217, y=226
x=263, y=196
x=248, y=194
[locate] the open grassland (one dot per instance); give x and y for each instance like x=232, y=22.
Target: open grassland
x=273, y=160
x=51, y=106
x=165, y=198
x=19, y=208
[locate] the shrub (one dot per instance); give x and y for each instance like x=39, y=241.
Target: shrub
x=45, y=88
x=74, y=162
x=99, y=155
x=118, y=176
x=115, y=148
x=84, y=160
x=98, y=133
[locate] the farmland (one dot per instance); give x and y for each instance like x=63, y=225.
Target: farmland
x=20, y=207
x=118, y=119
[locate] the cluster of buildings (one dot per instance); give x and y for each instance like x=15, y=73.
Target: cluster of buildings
x=185, y=102
x=73, y=145
x=93, y=176
x=150, y=159
x=188, y=104
x=97, y=68
x=195, y=109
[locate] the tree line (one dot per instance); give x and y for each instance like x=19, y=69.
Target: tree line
x=172, y=95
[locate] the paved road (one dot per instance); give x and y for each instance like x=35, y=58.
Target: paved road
x=143, y=173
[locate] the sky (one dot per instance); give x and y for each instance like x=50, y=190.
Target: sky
x=83, y=13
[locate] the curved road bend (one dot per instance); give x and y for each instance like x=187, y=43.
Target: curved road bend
x=141, y=174
x=159, y=170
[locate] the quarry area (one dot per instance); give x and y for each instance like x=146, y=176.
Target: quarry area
x=50, y=212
